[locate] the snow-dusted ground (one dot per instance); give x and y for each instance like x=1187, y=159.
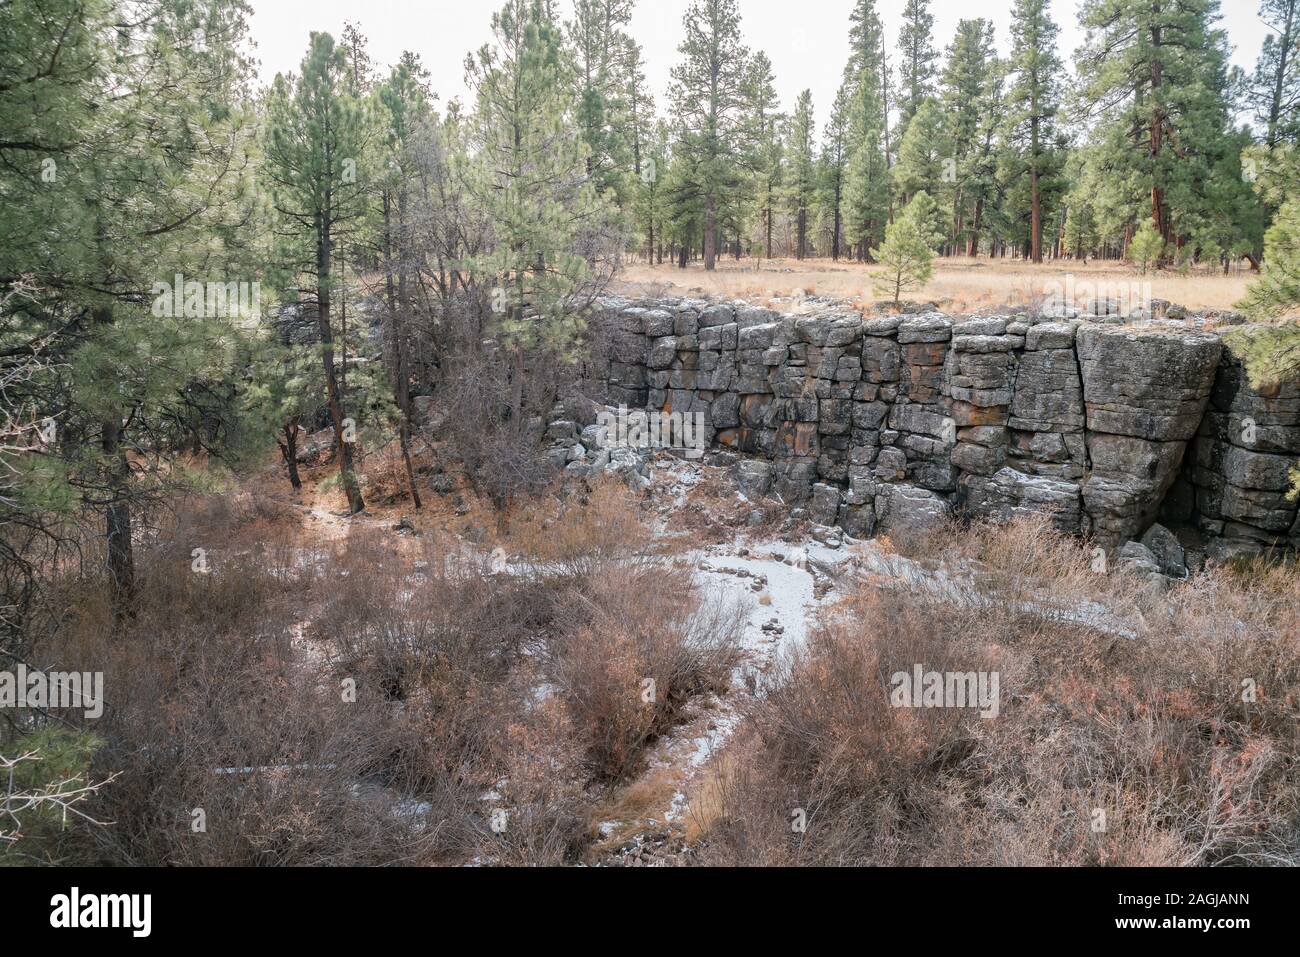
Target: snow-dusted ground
x=783, y=587
x=779, y=614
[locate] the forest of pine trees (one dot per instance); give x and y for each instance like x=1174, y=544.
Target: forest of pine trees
x=138, y=149
x=199, y=273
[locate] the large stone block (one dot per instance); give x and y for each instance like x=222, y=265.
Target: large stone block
x=930, y=327
x=1129, y=478
x=979, y=459
x=658, y=322
x=927, y=420
x=1051, y=335
x=1257, y=470
x=718, y=314
x=1010, y=493
x=753, y=477
x=724, y=411
x=1049, y=392
x=758, y=337
x=904, y=511
x=825, y=504
x=662, y=353
x=880, y=360
x=1153, y=384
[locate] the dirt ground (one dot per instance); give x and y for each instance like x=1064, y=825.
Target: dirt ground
x=959, y=283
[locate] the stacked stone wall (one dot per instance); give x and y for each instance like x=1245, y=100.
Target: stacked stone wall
x=886, y=423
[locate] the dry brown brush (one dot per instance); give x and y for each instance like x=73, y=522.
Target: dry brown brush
x=1153, y=728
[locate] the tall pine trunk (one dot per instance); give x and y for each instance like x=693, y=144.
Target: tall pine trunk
x=401, y=375
x=342, y=448
x=117, y=510
x=710, y=233
x=289, y=450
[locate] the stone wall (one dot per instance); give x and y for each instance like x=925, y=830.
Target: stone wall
x=887, y=423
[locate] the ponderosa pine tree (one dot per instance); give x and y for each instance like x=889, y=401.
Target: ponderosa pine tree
x=637, y=115
x=1271, y=347
x=124, y=162
x=866, y=186
x=650, y=203
x=916, y=63
x=1147, y=245
x=834, y=159
x=1155, y=75
x=801, y=183
x=924, y=155
x=1034, y=101
x=1079, y=231
x=708, y=95
x=647, y=139
x=1275, y=88
x=605, y=62
x=907, y=254
x=765, y=143
x=1275, y=296
x=314, y=143
x=527, y=172
x=284, y=392
x=969, y=96
x=403, y=108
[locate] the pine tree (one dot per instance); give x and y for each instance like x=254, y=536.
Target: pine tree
x=648, y=142
x=124, y=159
x=925, y=154
x=1035, y=99
x=908, y=250
x=284, y=392
x=358, y=66
x=314, y=144
x=708, y=95
x=528, y=174
x=1271, y=350
x=1275, y=88
x=866, y=186
x=765, y=145
x=834, y=159
x=969, y=96
x=1276, y=294
x=651, y=202
x=801, y=180
x=916, y=69
x=605, y=64
x=1147, y=245
x=403, y=108
x=637, y=107
x=1156, y=76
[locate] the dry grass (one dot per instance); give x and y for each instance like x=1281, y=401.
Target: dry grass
x=1149, y=729
x=959, y=284
x=480, y=691
x=629, y=807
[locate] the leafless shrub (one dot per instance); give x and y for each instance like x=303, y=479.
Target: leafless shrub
x=576, y=536
x=643, y=650
x=503, y=456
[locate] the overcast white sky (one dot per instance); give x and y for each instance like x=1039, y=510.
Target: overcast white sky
x=807, y=40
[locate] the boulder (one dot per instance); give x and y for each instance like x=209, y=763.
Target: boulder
x=904, y=511
x=1167, y=551
x=753, y=478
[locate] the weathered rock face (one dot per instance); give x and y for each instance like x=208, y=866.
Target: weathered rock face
x=1236, y=480
x=887, y=423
